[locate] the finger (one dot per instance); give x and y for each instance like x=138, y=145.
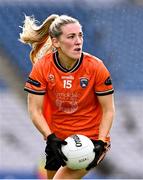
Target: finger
x=91, y=165
x=96, y=159
x=62, y=155
x=60, y=151
x=59, y=156
x=60, y=160
x=62, y=142
x=63, y=163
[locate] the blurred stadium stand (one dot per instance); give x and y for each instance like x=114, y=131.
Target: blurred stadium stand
x=113, y=32
x=20, y=144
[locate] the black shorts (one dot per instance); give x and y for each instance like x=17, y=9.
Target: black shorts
x=51, y=162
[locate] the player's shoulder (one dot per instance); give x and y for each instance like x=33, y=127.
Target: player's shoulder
x=92, y=60
x=44, y=61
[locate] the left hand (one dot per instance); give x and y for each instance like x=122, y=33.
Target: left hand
x=55, y=143
x=99, y=148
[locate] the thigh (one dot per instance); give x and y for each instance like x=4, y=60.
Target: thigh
x=66, y=173
x=50, y=174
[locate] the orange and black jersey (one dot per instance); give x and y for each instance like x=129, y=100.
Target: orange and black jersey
x=70, y=96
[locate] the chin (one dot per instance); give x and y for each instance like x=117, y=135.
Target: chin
x=77, y=56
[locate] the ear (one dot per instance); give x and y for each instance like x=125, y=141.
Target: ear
x=55, y=42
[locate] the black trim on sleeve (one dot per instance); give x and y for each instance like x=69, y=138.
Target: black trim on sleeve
x=35, y=92
x=104, y=93
x=33, y=82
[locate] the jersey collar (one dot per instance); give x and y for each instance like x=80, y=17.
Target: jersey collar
x=59, y=66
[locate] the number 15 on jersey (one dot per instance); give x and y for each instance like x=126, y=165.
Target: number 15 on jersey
x=67, y=84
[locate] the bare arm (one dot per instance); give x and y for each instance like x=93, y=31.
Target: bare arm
x=107, y=104
x=35, y=109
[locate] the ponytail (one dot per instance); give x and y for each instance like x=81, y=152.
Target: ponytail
x=37, y=36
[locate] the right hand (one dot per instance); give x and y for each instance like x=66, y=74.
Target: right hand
x=54, y=143
x=99, y=148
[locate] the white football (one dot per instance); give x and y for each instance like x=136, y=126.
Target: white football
x=79, y=151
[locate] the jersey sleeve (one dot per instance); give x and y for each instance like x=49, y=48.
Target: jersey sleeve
x=103, y=81
x=36, y=83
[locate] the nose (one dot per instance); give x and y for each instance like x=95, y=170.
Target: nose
x=78, y=40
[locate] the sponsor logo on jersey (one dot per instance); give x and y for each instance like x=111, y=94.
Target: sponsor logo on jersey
x=68, y=77
x=67, y=102
x=84, y=82
x=108, y=81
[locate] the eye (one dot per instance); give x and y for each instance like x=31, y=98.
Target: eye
x=71, y=37
x=81, y=35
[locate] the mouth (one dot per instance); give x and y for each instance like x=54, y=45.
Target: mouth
x=77, y=49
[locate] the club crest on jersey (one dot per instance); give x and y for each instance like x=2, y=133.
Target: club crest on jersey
x=83, y=82
x=108, y=81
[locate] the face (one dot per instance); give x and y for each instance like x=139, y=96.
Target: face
x=70, y=42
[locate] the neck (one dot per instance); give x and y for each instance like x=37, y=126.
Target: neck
x=67, y=62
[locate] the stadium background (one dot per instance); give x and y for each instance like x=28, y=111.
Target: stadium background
x=113, y=31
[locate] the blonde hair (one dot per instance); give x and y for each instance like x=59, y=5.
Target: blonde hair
x=39, y=37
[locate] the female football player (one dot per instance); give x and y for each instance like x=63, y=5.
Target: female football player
x=69, y=91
